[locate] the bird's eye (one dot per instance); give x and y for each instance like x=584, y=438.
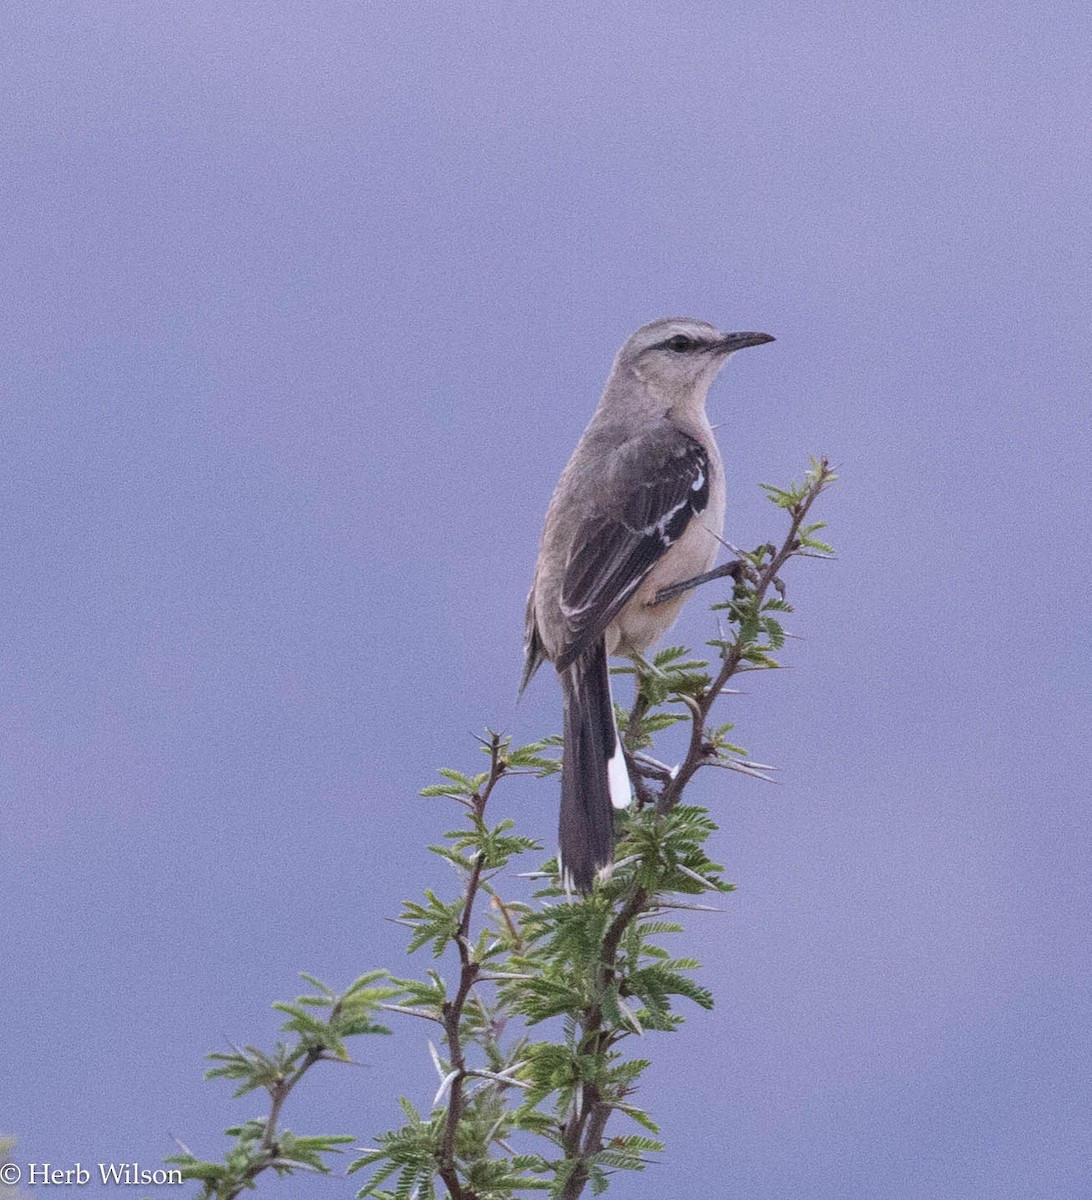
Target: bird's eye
x=680, y=343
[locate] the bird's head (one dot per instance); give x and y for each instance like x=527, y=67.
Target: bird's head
x=681, y=356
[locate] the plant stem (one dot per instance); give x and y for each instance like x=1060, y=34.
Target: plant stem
x=584, y=1135
x=469, y=970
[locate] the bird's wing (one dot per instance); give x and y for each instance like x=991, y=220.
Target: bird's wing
x=656, y=485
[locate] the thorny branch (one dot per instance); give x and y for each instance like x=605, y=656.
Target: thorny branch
x=279, y=1093
x=469, y=970
x=698, y=752
x=588, y=941
x=278, y=1090
x=583, y=1135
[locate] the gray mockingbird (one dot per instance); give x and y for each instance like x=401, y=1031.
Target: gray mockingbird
x=638, y=508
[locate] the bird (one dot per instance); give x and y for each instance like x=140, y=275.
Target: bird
x=639, y=507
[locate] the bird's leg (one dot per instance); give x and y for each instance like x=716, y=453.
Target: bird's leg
x=643, y=795
x=637, y=764
x=735, y=569
x=643, y=768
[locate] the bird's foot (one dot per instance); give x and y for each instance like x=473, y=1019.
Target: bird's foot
x=736, y=569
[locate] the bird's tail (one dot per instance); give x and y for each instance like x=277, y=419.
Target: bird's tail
x=594, y=778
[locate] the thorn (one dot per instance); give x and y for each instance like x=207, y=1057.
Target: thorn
x=181, y=1145
x=647, y=666
x=406, y=1010
x=294, y=1164
x=731, y=764
x=630, y=1015
x=444, y=1088
x=483, y=1074
x=697, y=878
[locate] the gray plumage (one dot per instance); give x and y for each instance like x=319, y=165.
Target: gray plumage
x=639, y=506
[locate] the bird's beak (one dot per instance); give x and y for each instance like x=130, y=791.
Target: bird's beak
x=731, y=342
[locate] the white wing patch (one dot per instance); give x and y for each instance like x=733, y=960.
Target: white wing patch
x=574, y=610
x=661, y=525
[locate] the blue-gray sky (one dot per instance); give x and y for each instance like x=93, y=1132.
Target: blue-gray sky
x=305, y=306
